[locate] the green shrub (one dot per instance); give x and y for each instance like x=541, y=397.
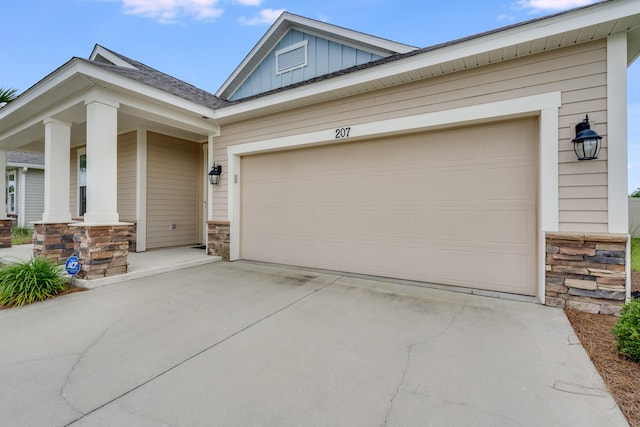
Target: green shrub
x=627, y=330
x=30, y=281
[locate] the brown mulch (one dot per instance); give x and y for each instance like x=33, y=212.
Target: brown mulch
x=621, y=375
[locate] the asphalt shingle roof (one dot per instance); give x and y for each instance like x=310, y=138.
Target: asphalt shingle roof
x=159, y=80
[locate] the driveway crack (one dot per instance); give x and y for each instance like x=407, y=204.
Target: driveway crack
x=409, y=356
x=193, y=356
x=81, y=356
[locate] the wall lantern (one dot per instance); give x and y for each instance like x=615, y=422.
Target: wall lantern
x=214, y=174
x=587, y=142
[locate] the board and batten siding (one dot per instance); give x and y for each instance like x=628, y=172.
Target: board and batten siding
x=324, y=56
x=173, y=191
x=34, y=195
x=127, y=146
x=578, y=72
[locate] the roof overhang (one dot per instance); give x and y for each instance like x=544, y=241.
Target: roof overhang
x=576, y=26
x=61, y=96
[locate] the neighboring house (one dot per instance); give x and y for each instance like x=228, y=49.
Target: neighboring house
x=25, y=187
x=450, y=164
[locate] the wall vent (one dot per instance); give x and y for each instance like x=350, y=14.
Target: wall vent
x=291, y=57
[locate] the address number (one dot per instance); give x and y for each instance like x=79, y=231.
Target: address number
x=342, y=133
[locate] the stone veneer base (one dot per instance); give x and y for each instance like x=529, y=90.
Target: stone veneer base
x=53, y=241
x=218, y=236
x=586, y=271
x=101, y=249
x=6, y=225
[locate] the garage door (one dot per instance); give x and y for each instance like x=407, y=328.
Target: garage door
x=454, y=206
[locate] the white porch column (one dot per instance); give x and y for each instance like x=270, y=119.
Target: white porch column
x=3, y=184
x=57, y=143
x=617, y=133
x=102, y=162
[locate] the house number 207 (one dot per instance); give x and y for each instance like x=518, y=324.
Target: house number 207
x=342, y=132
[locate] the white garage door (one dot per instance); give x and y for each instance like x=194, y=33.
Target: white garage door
x=454, y=207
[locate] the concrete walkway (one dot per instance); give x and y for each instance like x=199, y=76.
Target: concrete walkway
x=141, y=264
x=241, y=344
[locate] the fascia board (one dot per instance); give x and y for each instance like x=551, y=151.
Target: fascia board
x=77, y=66
x=11, y=165
x=115, y=60
x=343, y=33
x=513, y=36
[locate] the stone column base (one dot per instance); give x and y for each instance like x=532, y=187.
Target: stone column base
x=53, y=241
x=586, y=271
x=218, y=236
x=101, y=249
x=5, y=232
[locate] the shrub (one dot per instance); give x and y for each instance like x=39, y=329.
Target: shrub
x=30, y=281
x=627, y=330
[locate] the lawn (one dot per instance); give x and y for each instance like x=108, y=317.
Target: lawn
x=21, y=235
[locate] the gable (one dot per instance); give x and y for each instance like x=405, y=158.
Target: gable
x=300, y=56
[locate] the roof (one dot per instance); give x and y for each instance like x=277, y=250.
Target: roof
x=287, y=21
x=24, y=158
x=142, y=73
x=580, y=25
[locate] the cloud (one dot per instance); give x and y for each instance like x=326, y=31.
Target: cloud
x=266, y=16
x=553, y=5
x=249, y=2
x=168, y=11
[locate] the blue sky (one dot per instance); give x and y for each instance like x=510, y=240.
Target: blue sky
x=202, y=41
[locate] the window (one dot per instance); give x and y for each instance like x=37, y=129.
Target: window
x=82, y=182
x=11, y=192
x=292, y=57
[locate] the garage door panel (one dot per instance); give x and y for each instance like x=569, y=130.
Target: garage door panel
x=454, y=206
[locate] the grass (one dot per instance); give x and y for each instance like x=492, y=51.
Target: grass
x=21, y=235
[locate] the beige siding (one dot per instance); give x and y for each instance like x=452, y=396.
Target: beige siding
x=173, y=191
x=578, y=72
x=34, y=195
x=127, y=146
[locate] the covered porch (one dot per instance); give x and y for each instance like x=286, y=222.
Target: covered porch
x=125, y=162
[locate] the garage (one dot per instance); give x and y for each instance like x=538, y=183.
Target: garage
x=453, y=206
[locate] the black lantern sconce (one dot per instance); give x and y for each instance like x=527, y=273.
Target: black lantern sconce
x=214, y=174
x=587, y=142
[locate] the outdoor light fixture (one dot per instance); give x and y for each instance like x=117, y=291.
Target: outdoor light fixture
x=214, y=174
x=587, y=142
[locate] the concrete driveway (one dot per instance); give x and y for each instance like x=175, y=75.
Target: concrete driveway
x=243, y=344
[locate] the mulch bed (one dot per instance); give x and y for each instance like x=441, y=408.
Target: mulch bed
x=621, y=375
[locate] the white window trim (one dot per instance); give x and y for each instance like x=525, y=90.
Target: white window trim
x=80, y=152
x=303, y=43
x=15, y=193
x=545, y=106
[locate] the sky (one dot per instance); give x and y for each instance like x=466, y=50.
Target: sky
x=202, y=41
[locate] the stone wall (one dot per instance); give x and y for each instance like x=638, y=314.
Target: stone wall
x=53, y=241
x=5, y=232
x=586, y=271
x=101, y=250
x=218, y=238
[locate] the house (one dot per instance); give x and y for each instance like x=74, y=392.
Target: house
x=338, y=150
x=24, y=187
